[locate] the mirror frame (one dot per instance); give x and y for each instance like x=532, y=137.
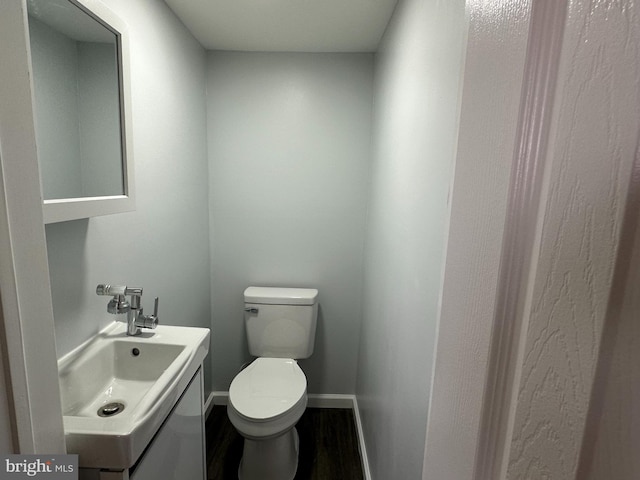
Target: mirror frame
x=65, y=209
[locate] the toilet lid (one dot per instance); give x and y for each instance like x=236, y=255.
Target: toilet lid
x=267, y=388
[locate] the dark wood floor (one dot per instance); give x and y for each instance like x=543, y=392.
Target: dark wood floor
x=328, y=446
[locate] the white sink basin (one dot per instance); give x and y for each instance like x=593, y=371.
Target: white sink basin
x=117, y=390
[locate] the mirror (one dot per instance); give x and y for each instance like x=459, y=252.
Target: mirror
x=79, y=59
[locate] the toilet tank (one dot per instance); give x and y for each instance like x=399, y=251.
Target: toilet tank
x=281, y=322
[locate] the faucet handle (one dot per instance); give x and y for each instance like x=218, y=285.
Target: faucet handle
x=118, y=304
x=113, y=290
x=149, y=321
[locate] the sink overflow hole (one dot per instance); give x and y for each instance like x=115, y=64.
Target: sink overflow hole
x=110, y=409
x=135, y=352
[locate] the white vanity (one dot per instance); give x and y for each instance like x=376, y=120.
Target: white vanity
x=178, y=449
x=133, y=405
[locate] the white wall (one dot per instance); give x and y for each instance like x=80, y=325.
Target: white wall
x=163, y=245
x=418, y=74
x=289, y=155
x=594, y=142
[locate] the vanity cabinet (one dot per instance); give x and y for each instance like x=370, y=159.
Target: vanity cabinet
x=177, y=452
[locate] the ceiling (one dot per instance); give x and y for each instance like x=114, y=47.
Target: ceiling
x=286, y=25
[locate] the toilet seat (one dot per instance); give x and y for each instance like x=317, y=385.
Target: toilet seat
x=268, y=389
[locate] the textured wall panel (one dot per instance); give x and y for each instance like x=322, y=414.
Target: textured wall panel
x=594, y=138
x=610, y=445
x=497, y=37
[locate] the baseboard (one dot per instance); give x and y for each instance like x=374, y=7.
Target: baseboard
x=318, y=401
x=321, y=400
x=361, y=444
x=208, y=405
x=220, y=398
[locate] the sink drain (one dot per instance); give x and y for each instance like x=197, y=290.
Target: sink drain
x=110, y=409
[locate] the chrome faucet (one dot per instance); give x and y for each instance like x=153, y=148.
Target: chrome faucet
x=136, y=320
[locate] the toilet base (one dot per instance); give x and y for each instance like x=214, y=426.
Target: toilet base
x=271, y=459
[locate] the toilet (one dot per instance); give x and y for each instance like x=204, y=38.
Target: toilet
x=268, y=397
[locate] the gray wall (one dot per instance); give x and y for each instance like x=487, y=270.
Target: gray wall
x=289, y=139
x=163, y=245
x=418, y=72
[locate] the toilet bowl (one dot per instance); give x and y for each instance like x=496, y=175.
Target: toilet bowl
x=266, y=400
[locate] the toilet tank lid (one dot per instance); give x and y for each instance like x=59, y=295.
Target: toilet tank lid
x=281, y=296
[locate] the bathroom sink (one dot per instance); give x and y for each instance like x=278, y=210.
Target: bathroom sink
x=117, y=390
